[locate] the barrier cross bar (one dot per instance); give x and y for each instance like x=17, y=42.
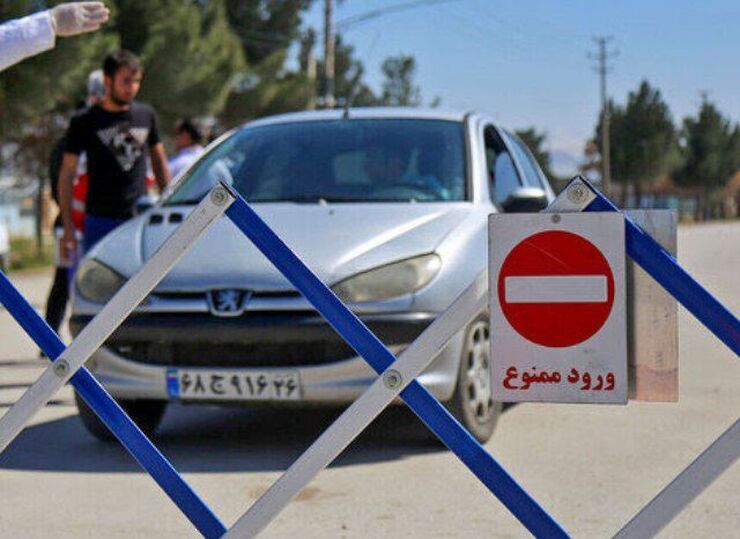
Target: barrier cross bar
x=419, y=400
x=362, y=411
x=664, y=268
x=68, y=363
x=691, y=482
x=580, y=195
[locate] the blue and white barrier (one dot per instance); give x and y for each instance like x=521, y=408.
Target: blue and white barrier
x=580, y=195
x=397, y=376
x=665, y=269
x=367, y=345
x=67, y=362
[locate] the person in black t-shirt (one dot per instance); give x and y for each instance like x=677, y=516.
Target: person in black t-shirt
x=117, y=135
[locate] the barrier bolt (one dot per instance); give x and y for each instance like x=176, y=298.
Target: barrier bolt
x=219, y=196
x=61, y=368
x=556, y=218
x=392, y=378
x=577, y=193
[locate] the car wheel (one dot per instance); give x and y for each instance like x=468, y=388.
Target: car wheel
x=147, y=414
x=472, y=403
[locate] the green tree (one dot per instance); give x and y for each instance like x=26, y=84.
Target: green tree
x=35, y=92
x=711, y=152
x=191, y=57
x=399, y=88
x=264, y=89
x=266, y=29
x=536, y=143
x=348, y=77
x=643, y=139
x=265, y=26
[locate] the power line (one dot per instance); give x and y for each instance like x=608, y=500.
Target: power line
x=331, y=27
x=536, y=29
x=603, y=67
x=481, y=35
x=354, y=20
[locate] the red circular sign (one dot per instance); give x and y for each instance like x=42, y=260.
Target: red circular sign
x=556, y=288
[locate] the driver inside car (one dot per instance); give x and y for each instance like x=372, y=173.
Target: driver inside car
x=387, y=167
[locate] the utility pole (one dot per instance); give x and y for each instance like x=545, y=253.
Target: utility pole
x=308, y=65
x=329, y=101
x=602, y=68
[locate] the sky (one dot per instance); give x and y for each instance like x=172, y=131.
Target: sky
x=525, y=62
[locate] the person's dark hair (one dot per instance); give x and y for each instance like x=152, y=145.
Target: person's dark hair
x=187, y=126
x=123, y=58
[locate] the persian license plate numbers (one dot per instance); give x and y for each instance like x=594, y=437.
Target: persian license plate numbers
x=233, y=385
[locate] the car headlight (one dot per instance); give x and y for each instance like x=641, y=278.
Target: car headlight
x=97, y=282
x=397, y=279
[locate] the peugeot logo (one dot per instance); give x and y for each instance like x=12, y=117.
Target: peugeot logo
x=228, y=302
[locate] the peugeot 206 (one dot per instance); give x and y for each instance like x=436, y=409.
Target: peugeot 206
x=388, y=207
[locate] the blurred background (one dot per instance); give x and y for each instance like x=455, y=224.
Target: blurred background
x=641, y=97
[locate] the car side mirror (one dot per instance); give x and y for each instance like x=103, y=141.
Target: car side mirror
x=525, y=200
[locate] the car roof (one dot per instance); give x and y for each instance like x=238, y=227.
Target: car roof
x=370, y=112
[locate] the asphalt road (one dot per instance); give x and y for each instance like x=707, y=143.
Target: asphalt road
x=592, y=467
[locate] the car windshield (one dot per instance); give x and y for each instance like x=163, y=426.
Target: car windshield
x=357, y=160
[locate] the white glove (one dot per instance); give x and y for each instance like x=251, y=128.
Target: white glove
x=75, y=18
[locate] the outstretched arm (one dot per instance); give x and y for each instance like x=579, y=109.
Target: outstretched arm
x=21, y=38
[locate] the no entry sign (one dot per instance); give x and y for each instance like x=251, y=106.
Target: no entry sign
x=558, y=329
x=556, y=302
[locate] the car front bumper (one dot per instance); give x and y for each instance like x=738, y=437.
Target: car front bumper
x=134, y=362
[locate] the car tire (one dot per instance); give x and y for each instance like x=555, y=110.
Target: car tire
x=472, y=403
x=147, y=414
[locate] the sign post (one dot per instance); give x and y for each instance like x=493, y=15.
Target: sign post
x=558, y=322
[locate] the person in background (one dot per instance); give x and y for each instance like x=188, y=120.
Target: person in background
x=188, y=143
x=56, y=303
x=117, y=135
x=28, y=36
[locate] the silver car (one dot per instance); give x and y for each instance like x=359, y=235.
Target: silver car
x=388, y=207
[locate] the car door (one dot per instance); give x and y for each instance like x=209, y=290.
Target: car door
x=530, y=171
x=503, y=175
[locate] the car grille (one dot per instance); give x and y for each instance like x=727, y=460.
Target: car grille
x=234, y=354
x=255, y=339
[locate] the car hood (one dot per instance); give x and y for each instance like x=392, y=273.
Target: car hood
x=335, y=241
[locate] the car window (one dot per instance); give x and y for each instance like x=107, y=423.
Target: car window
x=501, y=170
x=530, y=169
x=355, y=160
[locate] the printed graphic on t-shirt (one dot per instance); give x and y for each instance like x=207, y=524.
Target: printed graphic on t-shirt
x=126, y=143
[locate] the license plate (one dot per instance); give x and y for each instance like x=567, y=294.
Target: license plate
x=199, y=384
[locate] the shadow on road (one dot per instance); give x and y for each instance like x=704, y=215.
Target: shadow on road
x=199, y=439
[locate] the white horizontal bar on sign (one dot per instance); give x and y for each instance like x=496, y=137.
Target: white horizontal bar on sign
x=555, y=289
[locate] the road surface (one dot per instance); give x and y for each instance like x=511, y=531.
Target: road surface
x=592, y=467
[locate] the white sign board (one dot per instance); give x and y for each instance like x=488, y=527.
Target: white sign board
x=557, y=303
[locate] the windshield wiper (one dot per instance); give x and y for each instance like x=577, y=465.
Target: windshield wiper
x=327, y=199
x=321, y=199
